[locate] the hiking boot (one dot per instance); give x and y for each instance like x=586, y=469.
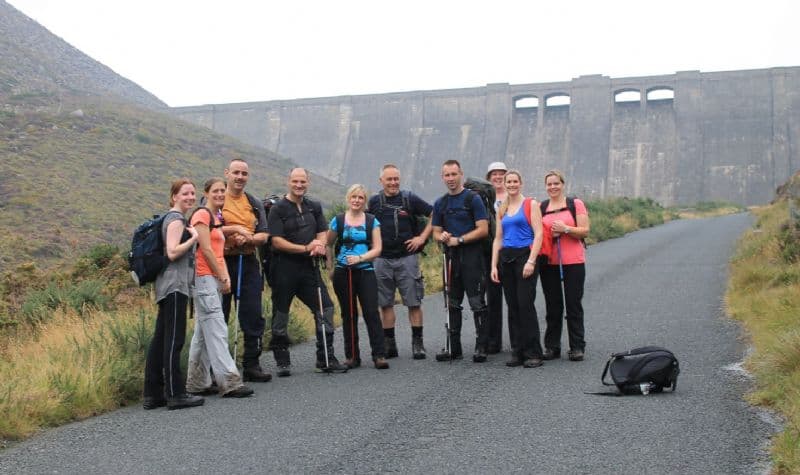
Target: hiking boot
x=391, y=347
x=575, y=355
x=256, y=375
x=184, y=400
x=380, y=363
x=514, y=361
x=417, y=348
x=445, y=355
x=284, y=370
x=153, y=402
x=532, y=362
x=241, y=391
x=283, y=362
x=551, y=354
x=479, y=356
x=333, y=366
x=209, y=391
x=352, y=363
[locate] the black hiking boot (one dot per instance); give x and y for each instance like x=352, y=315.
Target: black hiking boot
x=551, y=354
x=575, y=355
x=479, y=356
x=333, y=365
x=241, y=391
x=256, y=374
x=514, y=361
x=417, y=348
x=153, y=402
x=391, y=347
x=283, y=362
x=445, y=355
x=184, y=400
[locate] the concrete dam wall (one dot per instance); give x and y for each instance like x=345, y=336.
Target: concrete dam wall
x=679, y=138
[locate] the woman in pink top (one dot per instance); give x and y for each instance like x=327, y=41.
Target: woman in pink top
x=563, y=249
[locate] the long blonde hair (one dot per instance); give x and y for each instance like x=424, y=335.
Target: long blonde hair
x=504, y=204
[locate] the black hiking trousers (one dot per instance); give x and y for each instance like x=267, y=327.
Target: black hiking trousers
x=251, y=315
x=162, y=369
x=574, y=277
x=520, y=293
x=468, y=275
x=362, y=286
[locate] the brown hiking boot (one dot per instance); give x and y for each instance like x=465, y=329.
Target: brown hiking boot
x=380, y=363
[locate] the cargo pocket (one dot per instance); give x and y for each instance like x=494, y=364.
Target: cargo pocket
x=208, y=304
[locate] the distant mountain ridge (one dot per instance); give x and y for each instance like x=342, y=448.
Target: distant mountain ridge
x=86, y=155
x=32, y=59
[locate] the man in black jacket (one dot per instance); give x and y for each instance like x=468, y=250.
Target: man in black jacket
x=298, y=230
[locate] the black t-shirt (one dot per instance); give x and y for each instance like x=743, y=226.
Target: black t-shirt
x=398, y=224
x=296, y=226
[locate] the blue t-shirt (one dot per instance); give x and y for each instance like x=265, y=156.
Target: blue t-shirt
x=450, y=213
x=516, y=230
x=355, y=243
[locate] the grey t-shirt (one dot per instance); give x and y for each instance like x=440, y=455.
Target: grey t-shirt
x=178, y=276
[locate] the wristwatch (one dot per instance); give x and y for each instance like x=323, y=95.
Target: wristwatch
x=566, y=230
x=461, y=240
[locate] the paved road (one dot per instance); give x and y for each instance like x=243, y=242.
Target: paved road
x=660, y=286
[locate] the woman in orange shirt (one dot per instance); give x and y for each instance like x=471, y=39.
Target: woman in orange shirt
x=209, y=347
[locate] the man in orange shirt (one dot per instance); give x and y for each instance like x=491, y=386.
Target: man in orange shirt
x=245, y=229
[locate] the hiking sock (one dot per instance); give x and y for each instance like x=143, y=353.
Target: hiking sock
x=415, y=331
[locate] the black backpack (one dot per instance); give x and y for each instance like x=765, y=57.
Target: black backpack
x=146, y=258
x=264, y=252
x=485, y=192
x=417, y=223
x=642, y=370
x=570, y=207
x=369, y=221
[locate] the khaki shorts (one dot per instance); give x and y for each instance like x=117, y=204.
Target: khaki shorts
x=401, y=273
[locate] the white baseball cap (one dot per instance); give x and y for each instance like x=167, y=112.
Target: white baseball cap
x=495, y=166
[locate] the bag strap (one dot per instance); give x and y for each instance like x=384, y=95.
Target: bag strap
x=605, y=372
x=642, y=350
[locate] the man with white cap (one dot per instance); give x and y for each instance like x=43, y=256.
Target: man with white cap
x=495, y=174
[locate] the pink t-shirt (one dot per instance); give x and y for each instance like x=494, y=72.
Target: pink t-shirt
x=572, y=251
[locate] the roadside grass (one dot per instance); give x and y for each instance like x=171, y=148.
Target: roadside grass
x=70, y=368
x=764, y=293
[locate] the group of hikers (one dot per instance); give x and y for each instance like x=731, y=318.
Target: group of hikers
x=372, y=250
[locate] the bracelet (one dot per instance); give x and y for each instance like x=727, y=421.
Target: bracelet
x=360, y=258
x=533, y=263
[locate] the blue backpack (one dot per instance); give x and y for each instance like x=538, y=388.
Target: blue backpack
x=146, y=258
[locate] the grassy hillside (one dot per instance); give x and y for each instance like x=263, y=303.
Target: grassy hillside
x=69, y=179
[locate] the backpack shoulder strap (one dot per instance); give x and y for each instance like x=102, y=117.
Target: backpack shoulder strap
x=526, y=208
x=406, y=201
x=543, y=206
x=571, y=208
x=369, y=222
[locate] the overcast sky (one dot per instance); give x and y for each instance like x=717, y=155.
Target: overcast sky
x=205, y=52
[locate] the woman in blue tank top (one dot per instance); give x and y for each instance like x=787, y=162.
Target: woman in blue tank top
x=354, y=276
x=516, y=245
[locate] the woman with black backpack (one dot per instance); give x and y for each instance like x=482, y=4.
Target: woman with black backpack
x=163, y=382
x=357, y=237
x=563, y=271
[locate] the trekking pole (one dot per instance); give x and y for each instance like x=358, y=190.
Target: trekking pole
x=321, y=315
x=350, y=303
x=446, y=291
x=237, y=301
x=561, y=275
